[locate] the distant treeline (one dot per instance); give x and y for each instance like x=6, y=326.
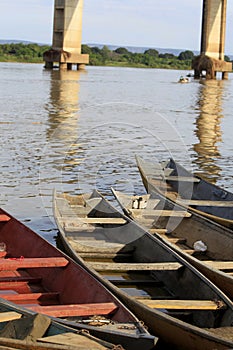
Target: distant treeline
x=22, y=52
x=151, y=58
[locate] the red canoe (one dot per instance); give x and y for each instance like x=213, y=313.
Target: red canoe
x=39, y=277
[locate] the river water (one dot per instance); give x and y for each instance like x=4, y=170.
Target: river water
x=76, y=131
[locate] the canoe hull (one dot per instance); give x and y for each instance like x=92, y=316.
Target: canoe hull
x=170, y=330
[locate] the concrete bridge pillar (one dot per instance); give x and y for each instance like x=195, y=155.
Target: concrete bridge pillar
x=67, y=34
x=213, y=33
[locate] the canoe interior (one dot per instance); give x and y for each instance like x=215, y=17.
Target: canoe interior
x=185, y=234
x=23, y=329
x=178, y=184
x=141, y=269
x=36, y=275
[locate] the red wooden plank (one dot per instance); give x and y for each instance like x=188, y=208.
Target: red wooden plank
x=28, y=296
x=21, y=263
x=20, y=287
x=74, y=309
x=4, y=218
x=28, y=279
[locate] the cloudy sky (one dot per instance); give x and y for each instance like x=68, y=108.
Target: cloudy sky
x=148, y=23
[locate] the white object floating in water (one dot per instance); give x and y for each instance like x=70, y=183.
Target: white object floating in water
x=199, y=246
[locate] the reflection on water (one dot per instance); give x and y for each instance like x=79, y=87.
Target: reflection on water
x=208, y=128
x=76, y=131
x=63, y=103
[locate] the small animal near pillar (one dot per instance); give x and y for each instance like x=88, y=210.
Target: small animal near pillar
x=67, y=35
x=211, y=58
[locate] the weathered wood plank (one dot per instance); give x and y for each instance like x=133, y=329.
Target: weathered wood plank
x=28, y=279
x=75, y=223
x=221, y=265
x=20, y=263
x=29, y=296
x=74, y=309
x=183, y=304
x=9, y=316
x=155, y=212
x=161, y=231
x=100, y=266
x=176, y=178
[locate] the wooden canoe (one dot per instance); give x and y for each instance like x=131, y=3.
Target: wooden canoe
x=205, y=244
x=24, y=329
x=177, y=303
x=39, y=277
x=184, y=188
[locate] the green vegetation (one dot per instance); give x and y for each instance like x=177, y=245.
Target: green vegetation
x=151, y=58
x=120, y=57
x=22, y=53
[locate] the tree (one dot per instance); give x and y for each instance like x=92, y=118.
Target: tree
x=152, y=52
x=86, y=49
x=105, y=53
x=166, y=55
x=122, y=51
x=186, y=55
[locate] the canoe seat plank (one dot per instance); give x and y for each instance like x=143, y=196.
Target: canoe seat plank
x=29, y=296
x=74, y=309
x=20, y=263
x=221, y=265
x=183, y=304
x=87, y=220
x=9, y=316
x=28, y=279
x=176, y=178
x=154, y=212
x=4, y=218
x=162, y=231
x=204, y=203
x=100, y=266
x=189, y=251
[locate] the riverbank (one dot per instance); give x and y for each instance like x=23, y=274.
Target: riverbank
x=121, y=57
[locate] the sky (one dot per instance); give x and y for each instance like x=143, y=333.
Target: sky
x=148, y=23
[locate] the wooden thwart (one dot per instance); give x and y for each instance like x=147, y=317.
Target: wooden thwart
x=113, y=221
x=183, y=304
x=28, y=279
x=221, y=265
x=155, y=212
x=13, y=264
x=29, y=296
x=99, y=266
x=158, y=230
x=75, y=309
x=177, y=178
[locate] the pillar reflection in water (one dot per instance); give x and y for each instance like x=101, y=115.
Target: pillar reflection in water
x=63, y=152
x=63, y=104
x=208, y=129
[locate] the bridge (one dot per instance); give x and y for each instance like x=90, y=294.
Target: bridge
x=67, y=33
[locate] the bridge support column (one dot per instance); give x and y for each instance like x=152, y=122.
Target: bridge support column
x=67, y=32
x=211, y=59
